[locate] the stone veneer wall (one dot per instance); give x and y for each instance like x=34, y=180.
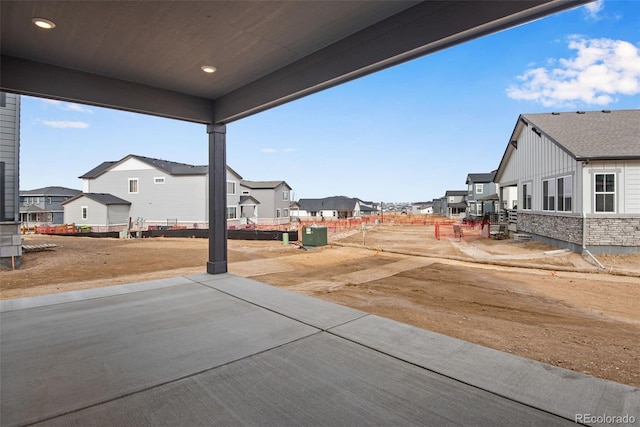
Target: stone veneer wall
x=564, y=228
x=613, y=231
x=605, y=234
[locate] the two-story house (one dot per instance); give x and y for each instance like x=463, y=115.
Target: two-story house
x=159, y=192
x=577, y=177
x=454, y=203
x=482, y=195
x=272, y=197
x=44, y=205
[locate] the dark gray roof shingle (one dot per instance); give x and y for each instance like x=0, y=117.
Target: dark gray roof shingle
x=51, y=191
x=592, y=134
x=103, y=198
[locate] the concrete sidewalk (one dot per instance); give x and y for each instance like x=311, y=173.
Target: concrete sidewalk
x=223, y=350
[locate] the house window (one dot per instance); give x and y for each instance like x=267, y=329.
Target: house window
x=231, y=212
x=245, y=193
x=285, y=195
x=479, y=188
x=470, y=189
x=313, y=213
x=159, y=180
x=285, y=213
x=278, y=213
x=605, y=192
x=565, y=193
x=133, y=185
x=50, y=217
x=49, y=200
x=231, y=187
x=526, y=196
x=85, y=212
x=548, y=195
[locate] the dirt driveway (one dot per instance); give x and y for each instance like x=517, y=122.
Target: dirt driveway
x=524, y=298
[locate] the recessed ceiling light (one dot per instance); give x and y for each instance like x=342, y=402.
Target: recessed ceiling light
x=208, y=69
x=44, y=23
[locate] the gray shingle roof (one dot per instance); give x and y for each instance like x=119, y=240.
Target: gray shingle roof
x=51, y=191
x=172, y=168
x=338, y=203
x=456, y=193
x=480, y=177
x=103, y=198
x=258, y=185
x=592, y=134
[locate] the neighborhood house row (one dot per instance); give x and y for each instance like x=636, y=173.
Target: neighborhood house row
x=572, y=178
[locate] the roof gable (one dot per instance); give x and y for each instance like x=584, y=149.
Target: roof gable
x=102, y=198
x=262, y=185
x=51, y=191
x=339, y=203
x=591, y=135
x=479, y=178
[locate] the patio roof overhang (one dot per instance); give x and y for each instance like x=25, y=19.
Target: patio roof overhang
x=146, y=56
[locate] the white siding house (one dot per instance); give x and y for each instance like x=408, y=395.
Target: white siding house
x=97, y=210
x=274, y=199
x=162, y=192
x=577, y=177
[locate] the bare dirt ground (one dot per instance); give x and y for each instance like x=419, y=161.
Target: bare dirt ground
x=528, y=299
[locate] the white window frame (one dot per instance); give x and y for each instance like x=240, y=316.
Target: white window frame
x=479, y=188
x=566, y=196
x=278, y=213
x=285, y=212
x=470, y=190
x=84, y=212
x=159, y=180
x=137, y=186
x=604, y=192
x=231, y=185
x=285, y=195
x=231, y=209
x=549, y=194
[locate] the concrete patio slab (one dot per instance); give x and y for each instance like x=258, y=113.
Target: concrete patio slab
x=223, y=350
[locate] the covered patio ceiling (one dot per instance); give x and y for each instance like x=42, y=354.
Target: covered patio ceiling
x=146, y=56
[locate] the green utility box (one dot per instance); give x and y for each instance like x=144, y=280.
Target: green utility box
x=314, y=236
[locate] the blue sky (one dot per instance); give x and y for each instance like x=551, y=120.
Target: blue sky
x=405, y=134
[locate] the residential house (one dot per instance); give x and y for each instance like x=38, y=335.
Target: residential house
x=577, y=177
x=163, y=192
x=44, y=205
x=482, y=195
x=273, y=197
x=454, y=203
x=333, y=208
x=422, y=208
x=10, y=238
x=97, y=210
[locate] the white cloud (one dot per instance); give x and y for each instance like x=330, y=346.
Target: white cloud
x=593, y=10
x=61, y=124
x=68, y=106
x=601, y=70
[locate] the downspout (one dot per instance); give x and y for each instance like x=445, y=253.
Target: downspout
x=584, y=241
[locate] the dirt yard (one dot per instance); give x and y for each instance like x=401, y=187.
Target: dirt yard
x=523, y=298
